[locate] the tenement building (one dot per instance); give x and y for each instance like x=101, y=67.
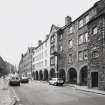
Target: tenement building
x=41, y=60
x=70, y=47
x=25, y=64
x=96, y=47
x=53, y=50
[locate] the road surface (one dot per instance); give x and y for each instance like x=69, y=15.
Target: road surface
x=41, y=93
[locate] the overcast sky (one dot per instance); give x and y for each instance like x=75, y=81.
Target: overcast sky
x=24, y=22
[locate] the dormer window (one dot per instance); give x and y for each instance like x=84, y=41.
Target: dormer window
x=81, y=23
x=86, y=19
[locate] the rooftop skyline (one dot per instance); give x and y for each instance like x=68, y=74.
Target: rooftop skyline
x=24, y=22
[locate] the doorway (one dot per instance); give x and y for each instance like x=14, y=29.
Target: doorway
x=94, y=79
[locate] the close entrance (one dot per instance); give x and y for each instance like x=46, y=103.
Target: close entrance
x=94, y=79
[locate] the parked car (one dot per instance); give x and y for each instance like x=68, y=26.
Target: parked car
x=24, y=79
x=14, y=80
x=56, y=81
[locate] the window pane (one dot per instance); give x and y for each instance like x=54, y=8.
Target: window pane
x=86, y=55
x=80, y=23
x=80, y=56
x=70, y=43
x=86, y=37
x=95, y=30
x=95, y=54
x=80, y=40
x=87, y=19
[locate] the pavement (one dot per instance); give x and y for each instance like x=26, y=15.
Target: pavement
x=6, y=94
x=84, y=88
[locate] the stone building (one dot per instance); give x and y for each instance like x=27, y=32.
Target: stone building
x=41, y=60
x=53, y=50
x=96, y=47
x=25, y=64
x=70, y=54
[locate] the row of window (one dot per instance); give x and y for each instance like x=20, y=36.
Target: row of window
x=81, y=23
x=40, y=56
x=83, y=38
x=40, y=64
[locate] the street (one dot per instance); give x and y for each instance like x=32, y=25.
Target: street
x=41, y=93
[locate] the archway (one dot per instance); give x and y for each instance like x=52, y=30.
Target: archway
x=52, y=73
x=83, y=75
x=62, y=74
x=72, y=76
x=46, y=75
x=40, y=75
x=36, y=75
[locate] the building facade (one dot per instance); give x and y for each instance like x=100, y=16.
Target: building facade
x=41, y=60
x=25, y=64
x=96, y=46
x=70, y=55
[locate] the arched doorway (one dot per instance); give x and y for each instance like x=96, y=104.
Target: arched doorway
x=36, y=74
x=62, y=74
x=52, y=73
x=83, y=75
x=72, y=76
x=46, y=75
x=40, y=75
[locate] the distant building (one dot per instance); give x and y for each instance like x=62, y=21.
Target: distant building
x=41, y=60
x=25, y=64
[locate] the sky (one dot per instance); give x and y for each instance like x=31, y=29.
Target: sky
x=24, y=22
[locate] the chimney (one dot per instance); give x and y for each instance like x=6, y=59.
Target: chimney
x=39, y=42
x=68, y=20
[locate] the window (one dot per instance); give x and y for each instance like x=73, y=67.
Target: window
x=86, y=19
x=70, y=58
x=80, y=23
x=52, y=49
x=80, y=56
x=86, y=37
x=85, y=55
x=95, y=54
x=45, y=62
x=45, y=53
x=46, y=44
x=60, y=37
x=60, y=48
x=52, y=38
x=95, y=30
x=52, y=60
x=70, y=43
x=80, y=39
x=71, y=30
